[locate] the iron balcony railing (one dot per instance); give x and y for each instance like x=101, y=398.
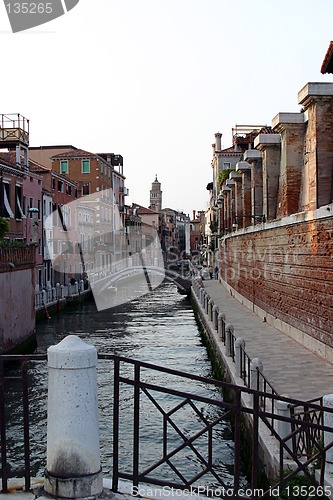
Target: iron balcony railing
x=133, y=392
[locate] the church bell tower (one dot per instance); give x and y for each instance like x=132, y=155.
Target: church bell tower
x=156, y=196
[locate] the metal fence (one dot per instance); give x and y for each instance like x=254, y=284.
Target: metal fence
x=133, y=388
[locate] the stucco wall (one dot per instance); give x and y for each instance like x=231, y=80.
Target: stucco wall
x=17, y=311
x=287, y=271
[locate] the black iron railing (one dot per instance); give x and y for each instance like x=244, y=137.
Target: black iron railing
x=135, y=393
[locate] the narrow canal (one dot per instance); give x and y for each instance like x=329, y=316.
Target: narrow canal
x=159, y=328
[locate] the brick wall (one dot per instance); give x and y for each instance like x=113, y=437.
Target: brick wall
x=288, y=272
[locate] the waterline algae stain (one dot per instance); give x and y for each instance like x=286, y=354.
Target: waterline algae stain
x=24, y=15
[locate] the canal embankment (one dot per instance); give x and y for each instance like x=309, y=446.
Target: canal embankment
x=246, y=348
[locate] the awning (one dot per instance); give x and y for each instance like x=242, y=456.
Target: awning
x=7, y=205
x=19, y=207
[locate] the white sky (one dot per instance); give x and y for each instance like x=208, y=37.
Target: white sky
x=153, y=80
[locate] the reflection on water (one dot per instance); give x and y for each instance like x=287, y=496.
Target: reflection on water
x=159, y=328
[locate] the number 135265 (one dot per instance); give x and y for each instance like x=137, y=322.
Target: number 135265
x=29, y=8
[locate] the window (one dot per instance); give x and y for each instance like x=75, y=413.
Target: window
x=53, y=183
x=69, y=190
x=85, y=189
x=60, y=186
x=86, y=166
x=64, y=166
x=31, y=205
x=226, y=165
x=39, y=210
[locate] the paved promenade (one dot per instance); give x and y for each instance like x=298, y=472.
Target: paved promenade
x=293, y=370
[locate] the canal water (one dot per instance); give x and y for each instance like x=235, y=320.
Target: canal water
x=158, y=328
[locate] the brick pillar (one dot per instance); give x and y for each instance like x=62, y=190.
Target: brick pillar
x=269, y=145
x=254, y=157
x=237, y=178
x=317, y=182
x=291, y=128
x=226, y=191
x=244, y=168
x=231, y=184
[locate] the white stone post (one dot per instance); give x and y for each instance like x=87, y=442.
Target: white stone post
x=44, y=295
x=328, y=436
x=284, y=428
x=76, y=287
x=81, y=285
x=239, y=345
x=229, y=329
x=73, y=456
x=62, y=293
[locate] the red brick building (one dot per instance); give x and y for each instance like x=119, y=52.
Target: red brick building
x=277, y=258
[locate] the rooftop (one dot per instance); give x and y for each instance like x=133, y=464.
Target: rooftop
x=327, y=66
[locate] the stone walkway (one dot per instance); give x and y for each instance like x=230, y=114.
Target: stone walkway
x=125, y=492
x=292, y=369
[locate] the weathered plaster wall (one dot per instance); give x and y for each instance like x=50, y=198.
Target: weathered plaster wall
x=17, y=311
x=287, y=271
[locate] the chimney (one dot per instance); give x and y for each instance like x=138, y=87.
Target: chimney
x=193, y=215
x=218, y=137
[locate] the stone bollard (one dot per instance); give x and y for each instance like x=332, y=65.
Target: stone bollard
x=76, y=285
x=81, y=285
x=215, y=313
x=239, y=346
x=62, y=291
x=284, y=428
x=328, y=436
x=44, y=297
x=221, y=326
x=73, y=457
x=256, y=366
x=229, y=330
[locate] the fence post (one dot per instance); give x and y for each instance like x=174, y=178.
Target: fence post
x=210, y=309
x=44, y=297
x=256, y=366
x=215, y=312
x=202, y=296
x=328, y=436
x=207, y=297
x=229, y=329
x=284, y=428
x=221, y=326
x=73, y=457
x=239, y=345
